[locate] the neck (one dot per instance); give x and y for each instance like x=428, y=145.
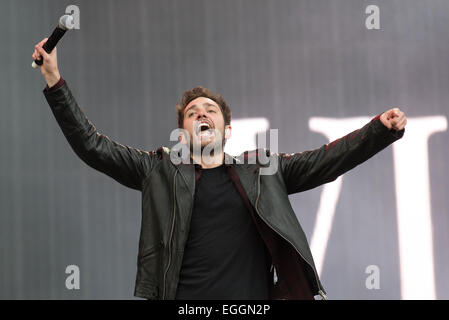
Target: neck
x=210, y=161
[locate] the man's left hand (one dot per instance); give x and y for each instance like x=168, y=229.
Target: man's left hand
x=394, y=119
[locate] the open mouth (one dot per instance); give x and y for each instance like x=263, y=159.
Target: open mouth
x=204, y=128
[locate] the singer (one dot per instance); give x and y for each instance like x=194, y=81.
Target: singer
x=215, y=227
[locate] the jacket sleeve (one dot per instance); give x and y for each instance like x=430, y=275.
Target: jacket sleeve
x=129, y=166
x=309, y=169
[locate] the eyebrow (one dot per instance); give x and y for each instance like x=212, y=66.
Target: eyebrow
x=207, y=104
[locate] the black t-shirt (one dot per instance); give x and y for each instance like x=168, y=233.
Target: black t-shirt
x=225, y=257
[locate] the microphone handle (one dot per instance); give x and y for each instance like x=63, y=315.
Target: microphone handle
x=51, y=42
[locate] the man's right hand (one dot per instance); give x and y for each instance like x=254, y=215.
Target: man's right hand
x=49, y=68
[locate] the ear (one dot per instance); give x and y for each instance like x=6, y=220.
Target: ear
x=228, y=130
x=182, y=137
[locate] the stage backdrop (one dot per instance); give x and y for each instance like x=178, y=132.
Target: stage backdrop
x=314, y=70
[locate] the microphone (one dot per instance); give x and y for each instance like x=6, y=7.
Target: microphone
x=65, y=23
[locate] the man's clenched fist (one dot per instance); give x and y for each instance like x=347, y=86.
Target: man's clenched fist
x=394, y=119
x=49, y=68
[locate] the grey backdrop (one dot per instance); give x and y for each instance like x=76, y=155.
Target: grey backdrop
x=285, y=60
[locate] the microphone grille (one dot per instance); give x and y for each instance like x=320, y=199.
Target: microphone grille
x=66, y=22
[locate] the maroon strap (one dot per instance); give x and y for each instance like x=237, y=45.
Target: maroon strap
x=197, y=172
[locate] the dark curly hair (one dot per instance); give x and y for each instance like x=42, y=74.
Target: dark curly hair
x=197, y=92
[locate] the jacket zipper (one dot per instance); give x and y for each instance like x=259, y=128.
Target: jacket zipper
x=320, y=292
x=171, y=234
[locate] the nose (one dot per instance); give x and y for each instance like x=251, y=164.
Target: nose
x=200, y=114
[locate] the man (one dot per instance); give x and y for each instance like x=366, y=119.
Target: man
x=215, y=227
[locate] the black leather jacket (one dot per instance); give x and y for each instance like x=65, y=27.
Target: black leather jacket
x=168, y=193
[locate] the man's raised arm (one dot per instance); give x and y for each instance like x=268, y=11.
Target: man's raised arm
x=127, y=165
x=309, y=169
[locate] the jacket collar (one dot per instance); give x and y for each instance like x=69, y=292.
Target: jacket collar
x=247, y=174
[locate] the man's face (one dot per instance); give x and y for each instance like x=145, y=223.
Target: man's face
x=204, y=122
